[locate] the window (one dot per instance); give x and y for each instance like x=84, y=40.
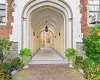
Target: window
x=94, y=11
x=2, y=11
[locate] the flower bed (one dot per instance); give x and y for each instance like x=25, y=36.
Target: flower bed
x=91, y=64
x=8, y=69
x=90, y=70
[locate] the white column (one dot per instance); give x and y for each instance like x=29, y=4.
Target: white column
x=42, y=38
x=69, y=35
x=45, y=37
x=24, y=34
x=51, y=37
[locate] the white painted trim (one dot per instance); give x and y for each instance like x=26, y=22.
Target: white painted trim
x=43, y=3
x=6, y=11
x=62, y=8
x=89, y=25
x=12, y=23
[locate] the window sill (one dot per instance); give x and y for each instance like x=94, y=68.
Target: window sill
x=3, y=23
x=93, y=23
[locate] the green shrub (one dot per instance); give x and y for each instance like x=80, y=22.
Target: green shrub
x=71, y=54
x=89, y=63
x=16, y=61
x=93, y=72
x=92, y=44
x=92, y=48
x=79, y=62
x=25, y=59
x=79, y=58
x=6, y=65
x=4, y=68
x=25, y=52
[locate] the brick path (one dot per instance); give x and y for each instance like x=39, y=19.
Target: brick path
x=49, y=72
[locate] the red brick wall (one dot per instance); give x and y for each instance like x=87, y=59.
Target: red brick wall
x=6, y=30
x=84, y=25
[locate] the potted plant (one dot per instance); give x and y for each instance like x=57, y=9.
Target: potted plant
x=25, y=54
x=16, y=62
x=71, y=56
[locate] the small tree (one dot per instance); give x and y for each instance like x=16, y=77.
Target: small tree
x=4, y=48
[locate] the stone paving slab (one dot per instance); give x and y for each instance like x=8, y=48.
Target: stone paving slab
x=49, y=72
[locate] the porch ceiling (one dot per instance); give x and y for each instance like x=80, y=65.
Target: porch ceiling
x=53, y=17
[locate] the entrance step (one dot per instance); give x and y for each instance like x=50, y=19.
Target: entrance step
x=48, y=62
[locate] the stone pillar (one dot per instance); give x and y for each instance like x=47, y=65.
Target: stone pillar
x=79, y=47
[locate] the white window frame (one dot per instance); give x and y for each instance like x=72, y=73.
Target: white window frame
x=5, y=23
x=90, y=25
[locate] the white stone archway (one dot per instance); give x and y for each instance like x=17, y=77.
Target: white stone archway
x=60, y=6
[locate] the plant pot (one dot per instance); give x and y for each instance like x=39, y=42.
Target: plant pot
x=13, y=72
x=80, y=70
x=70, y=65
x=26, y=66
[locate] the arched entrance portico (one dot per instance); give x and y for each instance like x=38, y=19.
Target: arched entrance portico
x=59, y=16
x=46, y=39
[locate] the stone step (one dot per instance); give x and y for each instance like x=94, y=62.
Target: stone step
x=48, y=62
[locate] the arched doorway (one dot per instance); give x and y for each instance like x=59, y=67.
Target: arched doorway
x=59, y=16
x=46, y=39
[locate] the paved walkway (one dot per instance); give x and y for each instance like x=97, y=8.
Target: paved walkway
x=40, y=70
x=49, y=72
x=47, y=54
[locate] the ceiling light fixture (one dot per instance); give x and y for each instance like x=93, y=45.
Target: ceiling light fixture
x=46, y=28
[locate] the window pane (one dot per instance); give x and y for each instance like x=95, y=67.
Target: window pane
x=2, y=1
x=95, y=2
x=2, y=6
x=91, y=8
x=2, y=11
x=91, y=14
x=94, y=9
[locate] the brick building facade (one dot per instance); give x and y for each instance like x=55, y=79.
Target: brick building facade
x=6, y=29
x=68, y=20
